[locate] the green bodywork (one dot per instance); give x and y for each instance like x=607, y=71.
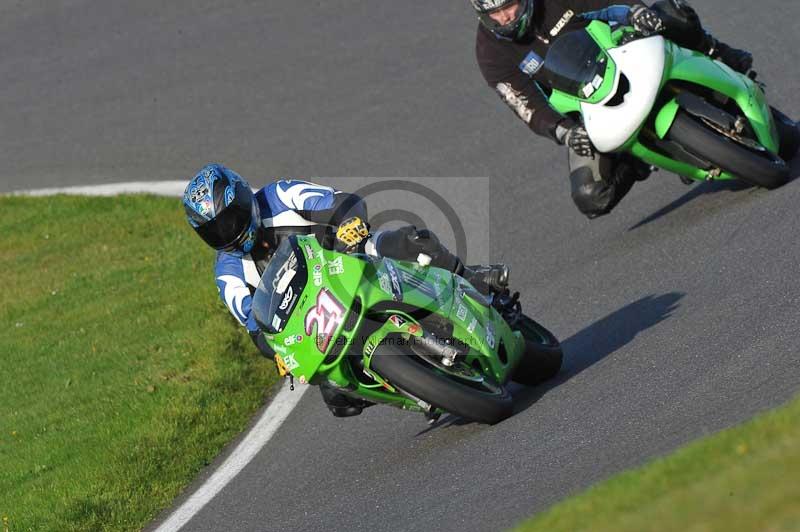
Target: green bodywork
x=685, y=65
x=386, y=290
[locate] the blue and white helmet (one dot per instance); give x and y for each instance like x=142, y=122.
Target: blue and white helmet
x=221, y=208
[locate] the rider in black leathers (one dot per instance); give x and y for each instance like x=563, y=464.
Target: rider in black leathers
x=513, y=38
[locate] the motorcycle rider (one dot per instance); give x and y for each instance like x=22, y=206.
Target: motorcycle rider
x=246, y=227
x=512, y=40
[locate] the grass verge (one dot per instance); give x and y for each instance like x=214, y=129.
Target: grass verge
x=122, y=373
x=744, y=478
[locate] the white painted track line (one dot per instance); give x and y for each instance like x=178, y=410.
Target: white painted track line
x=270, y=422
x=160, y=188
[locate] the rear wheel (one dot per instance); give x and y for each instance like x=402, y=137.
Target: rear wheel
x=543, y=354
x=739, y=156
x=459, y=389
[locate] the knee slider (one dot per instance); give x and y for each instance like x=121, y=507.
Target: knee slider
x=592, y=197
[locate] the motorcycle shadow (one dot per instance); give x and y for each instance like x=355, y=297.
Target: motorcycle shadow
x=589, y=346
x=700, y=189
x=710, y=187
x=601, y=339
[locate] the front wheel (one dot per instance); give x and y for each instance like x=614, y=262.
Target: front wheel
x=460, y=390
x=543, y=354
x=738, y=156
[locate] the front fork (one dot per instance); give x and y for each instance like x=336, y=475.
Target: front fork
x=693, y=67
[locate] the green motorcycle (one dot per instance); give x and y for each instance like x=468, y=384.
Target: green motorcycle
x=416, y=337
x=668, y=106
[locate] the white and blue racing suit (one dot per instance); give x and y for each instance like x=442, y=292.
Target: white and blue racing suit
x=287, y=207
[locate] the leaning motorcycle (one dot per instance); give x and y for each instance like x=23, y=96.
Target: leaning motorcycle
x=400, y=333
x=670, y=107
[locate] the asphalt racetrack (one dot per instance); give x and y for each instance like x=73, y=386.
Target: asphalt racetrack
x=678, y=312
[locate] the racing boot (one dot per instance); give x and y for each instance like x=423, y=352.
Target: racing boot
x=631, y=168
x=508, y=305
x=488, y=279
x=342, y=405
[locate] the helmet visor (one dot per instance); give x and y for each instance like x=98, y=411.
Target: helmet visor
x=226, y=228
x=511, y=29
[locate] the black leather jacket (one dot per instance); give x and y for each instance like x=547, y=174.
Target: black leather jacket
x=511, y=67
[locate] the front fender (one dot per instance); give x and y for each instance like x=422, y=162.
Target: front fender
x=699, y=69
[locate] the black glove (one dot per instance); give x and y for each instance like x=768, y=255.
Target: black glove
x=421, y=241
x=407, y=243
x=576, y=137
x=645, y=21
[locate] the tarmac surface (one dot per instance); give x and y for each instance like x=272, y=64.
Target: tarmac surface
x=677, y=312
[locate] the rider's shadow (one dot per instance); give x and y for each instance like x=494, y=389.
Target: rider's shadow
x=591, y=345
x=710, y=187
x=698, y=190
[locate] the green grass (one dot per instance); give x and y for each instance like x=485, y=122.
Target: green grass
x=745, y=478
x=122, y=373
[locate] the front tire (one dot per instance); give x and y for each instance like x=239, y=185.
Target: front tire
x=763, y=169
x=543, y=354
x=790, y=135
x=419, y=378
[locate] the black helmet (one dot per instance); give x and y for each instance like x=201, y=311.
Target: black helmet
x=515, y=29
x=221, y=207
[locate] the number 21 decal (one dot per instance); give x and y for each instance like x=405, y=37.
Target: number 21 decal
x=327, y=316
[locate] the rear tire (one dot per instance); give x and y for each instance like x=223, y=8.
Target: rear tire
x=543, y=354
x=763, y=169
x=419, y=378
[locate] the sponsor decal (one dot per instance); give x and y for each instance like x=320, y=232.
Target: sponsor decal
x=386, y=284
x=285, y=274
x=293, y=340
x=309, y=252
x=472, y=325
x=302, y=379
x=327, y=315
x=490, y=339
x=531, y=64
x=422, y=286
x=588, y=90
x=394, y=277
x=316, y=274
x=199, y=193
x=336, y=267
x=278, y=348
x=276, y=322
x=413, y=328
x=397, y=320
x=565, y=18
x=286, y=299
x=290, y=362
x=204, y=207
x=461, y=313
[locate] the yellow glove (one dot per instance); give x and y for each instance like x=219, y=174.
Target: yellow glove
x=352, y=231
x=282, y=369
